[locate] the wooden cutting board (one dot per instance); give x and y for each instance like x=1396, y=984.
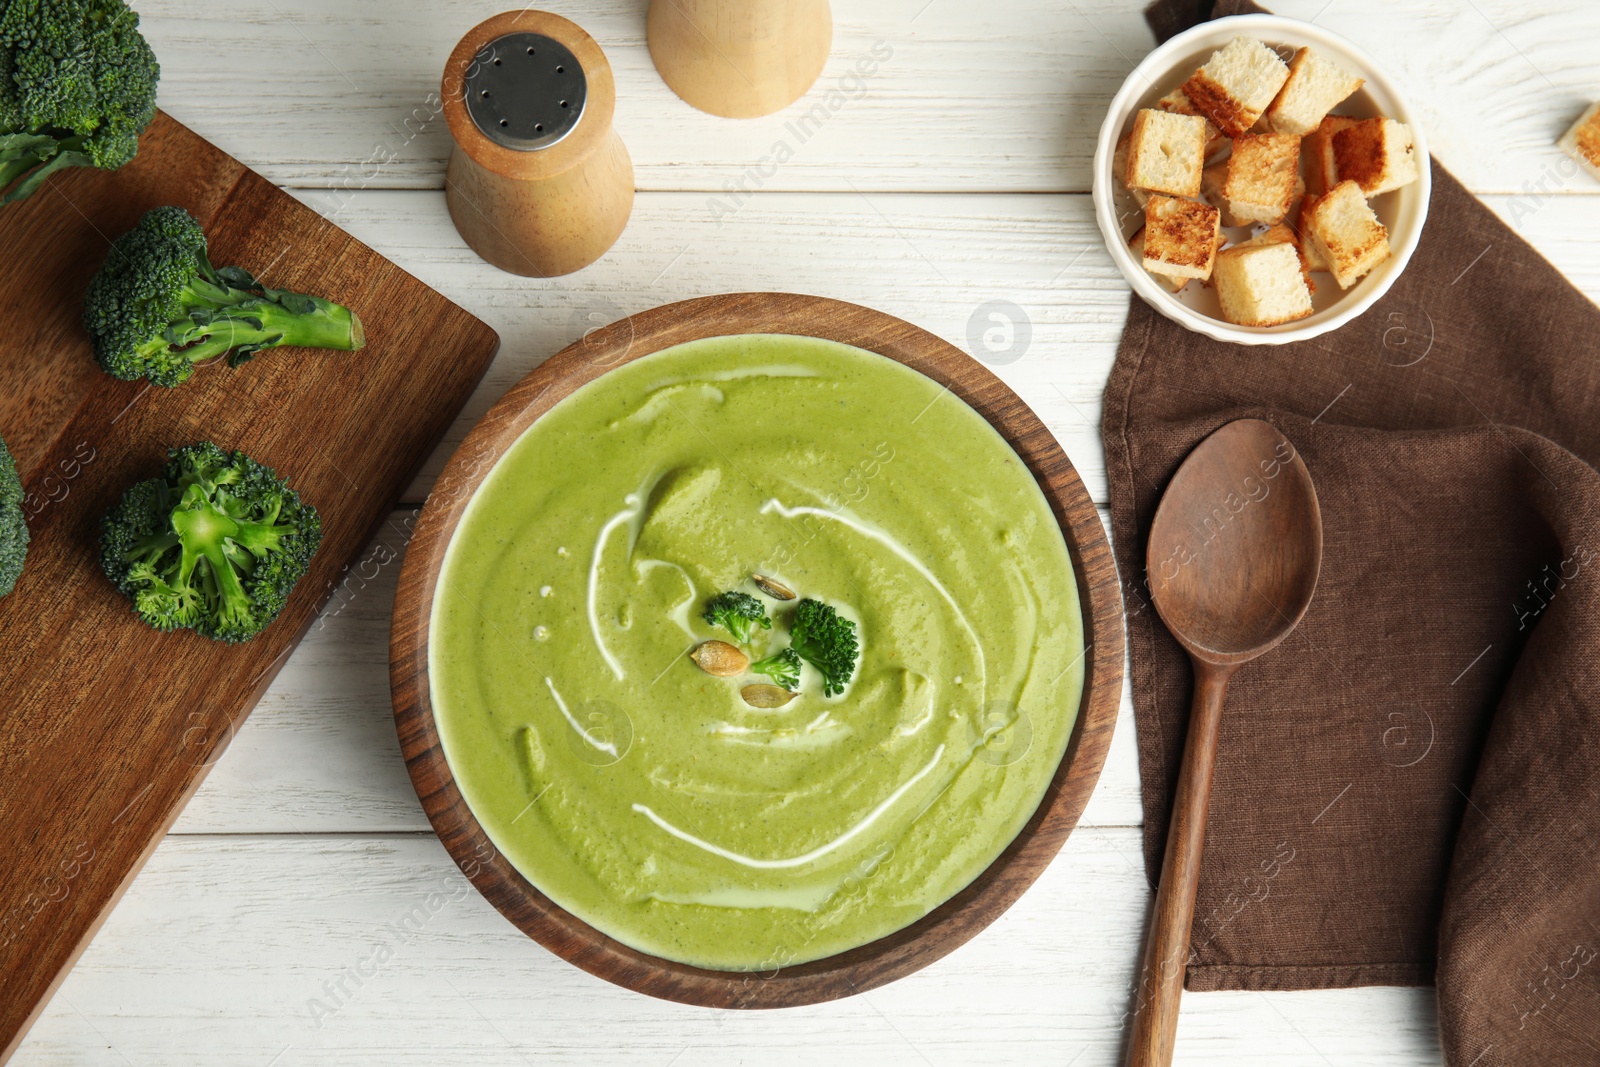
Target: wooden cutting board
x=106, y=726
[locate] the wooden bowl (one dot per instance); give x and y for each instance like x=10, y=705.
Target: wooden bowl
x=868, y=966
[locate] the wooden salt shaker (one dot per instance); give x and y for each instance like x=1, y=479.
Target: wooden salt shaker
x=740, y=58
x=538, y=181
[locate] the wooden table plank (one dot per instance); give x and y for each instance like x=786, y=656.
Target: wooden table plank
x=934, y=260
x=232, y=950
x=1005, y=97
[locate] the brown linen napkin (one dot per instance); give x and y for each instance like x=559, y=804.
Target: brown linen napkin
x=1407, y=789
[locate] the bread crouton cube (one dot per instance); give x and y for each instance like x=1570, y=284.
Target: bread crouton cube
x=1313, y=256
x=1322, y=173
x=1221, y=243
x=1180, y=104
x=1167, y=152
x=1273, y=235
x=1119, y=168
x=1315, y=87
x=1299, y=195
x=1180, y=237
x=1377, y=154
x=1237, y=84
x=1261, y=284
x=1212, y=181
x=1582, y=142
x=1258, y=182
x=1282, y=234
x=1346, y=233
x=1172, y=283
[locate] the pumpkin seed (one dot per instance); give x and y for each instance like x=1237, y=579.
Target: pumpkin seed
x=766, y=696
x=773, y=588
x=720, y=658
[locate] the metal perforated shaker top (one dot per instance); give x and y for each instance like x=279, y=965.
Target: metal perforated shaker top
x=525, y=91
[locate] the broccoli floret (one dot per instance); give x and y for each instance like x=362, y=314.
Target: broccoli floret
x=77, y=88
x=13, y=523
x=783, y=668
x=215, y=544
x=157, y=307
x=826, y=640
x=737, y=613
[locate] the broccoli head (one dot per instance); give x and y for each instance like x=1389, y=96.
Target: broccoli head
x=826, y=640
x=737, y=613
x=77, y=88
x=13, y=523
x=157, y=308
x=783, y=668
x=215, y=544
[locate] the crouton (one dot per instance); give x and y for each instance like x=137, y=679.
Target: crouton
x=1171, y=282
x=1258, y=182
x=1278, y=234
x=1315, y=87
x=1237, y=84
x=1377, y=154
x=1180, y=237
x=1283, y=234
x=1119, y=168
x=1261, y=284
x=1179, y=104
x=1582, y=142
x=1314, y=259
x=1299, y=195
x=1167, y=152
x=1213, y=181
x=1346, y=233
x=1221, y=243
x=1317, y=147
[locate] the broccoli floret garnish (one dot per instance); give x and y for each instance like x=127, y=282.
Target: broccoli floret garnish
x=826, y=640
x=783, y=668
x=77, y=88
x=737, y=613
x=157, y=307
x=215, y=544
x=13, y=523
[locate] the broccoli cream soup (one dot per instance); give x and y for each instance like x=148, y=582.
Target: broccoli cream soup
x=646, y=795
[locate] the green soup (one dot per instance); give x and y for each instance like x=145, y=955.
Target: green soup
x=644, y=795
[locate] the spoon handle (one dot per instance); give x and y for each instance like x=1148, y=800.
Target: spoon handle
x=1167, y=945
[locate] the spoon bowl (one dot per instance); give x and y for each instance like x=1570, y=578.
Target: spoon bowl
x=1234, y=553
x=1236, y=544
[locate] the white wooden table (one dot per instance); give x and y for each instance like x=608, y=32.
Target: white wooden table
x=958, y=175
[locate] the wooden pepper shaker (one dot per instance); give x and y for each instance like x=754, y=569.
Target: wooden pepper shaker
x=740, y=58
x=538, y=181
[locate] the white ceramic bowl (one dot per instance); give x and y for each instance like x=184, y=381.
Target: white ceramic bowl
x=1195, y=307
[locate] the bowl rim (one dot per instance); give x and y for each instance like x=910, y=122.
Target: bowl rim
x=1152, y=70
x=894, y=955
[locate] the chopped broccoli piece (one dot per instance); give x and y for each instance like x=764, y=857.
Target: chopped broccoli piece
x=782, y=667
x=157, y=307
x=826, y=640
x=77, y=88
x=13, y=523
x=737, y=613
x=215, y=544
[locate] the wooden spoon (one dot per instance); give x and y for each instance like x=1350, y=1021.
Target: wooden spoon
x=1233, y=559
